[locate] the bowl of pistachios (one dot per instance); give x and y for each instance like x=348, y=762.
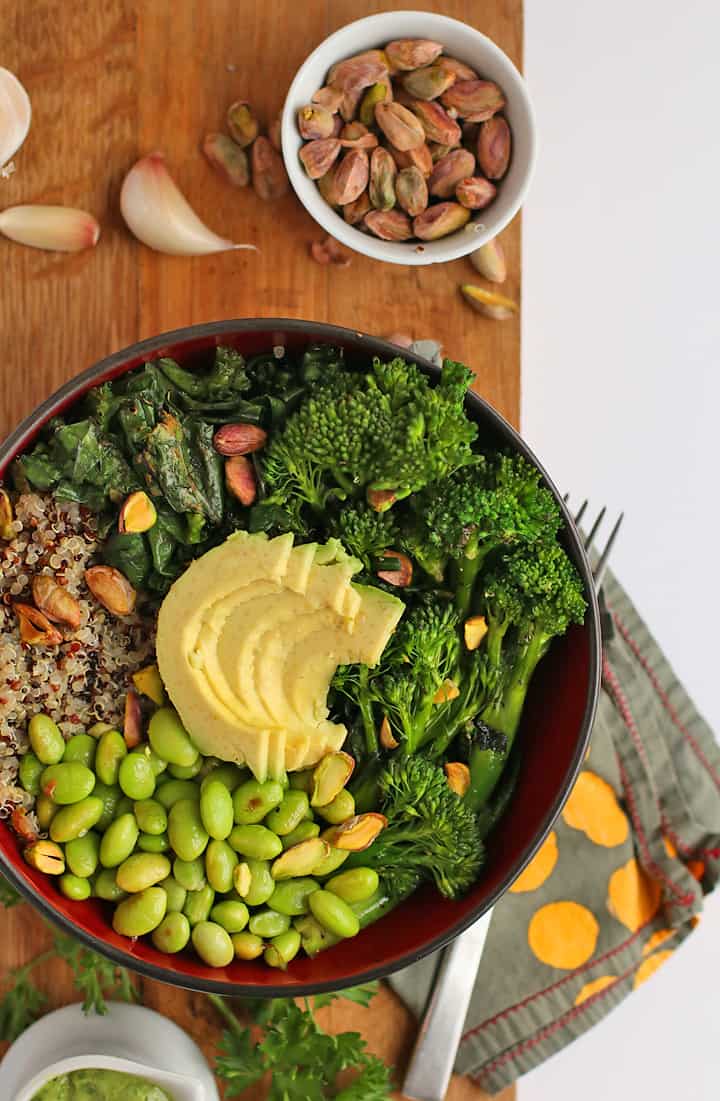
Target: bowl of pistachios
x=409, y=137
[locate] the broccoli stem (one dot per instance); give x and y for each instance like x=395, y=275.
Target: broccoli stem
x=366, y=712
x=465, y=571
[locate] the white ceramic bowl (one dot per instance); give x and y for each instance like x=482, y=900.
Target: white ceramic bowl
x=468, y=45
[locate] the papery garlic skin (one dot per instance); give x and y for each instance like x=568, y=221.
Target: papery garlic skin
x=159, y=215
x=15, y=115
x=55, y=228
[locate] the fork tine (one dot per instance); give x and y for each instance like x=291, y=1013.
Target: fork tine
x=601, y=565
x=580, y=512
x=594, y=529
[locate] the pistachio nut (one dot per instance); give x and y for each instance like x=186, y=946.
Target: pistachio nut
x=474, y=630
x=354, y=70
x=448, y=172
x=358, y=832
x=242, y=123
x=404, y=54
x=239, y=439
x=380, y=500
x=329, y=98
x=7, y=516
x=397, y=569
x=351, y=103
x=458, y=777
x=387, y=738
x=329, y=252
x=459, y=68
x=327, y=187
x=399, y=125
x=489, y=261
x=411, y=191
x=111, y=589
x=319, y=156
x=35, y=627
x=493, y=147
x=301, y=859
x=275, y=135
x=474, y=100
x=413, y=158
x=149, y=683
x=352, y=175
x=428, y=83
x=132, y=720
x=230, y=160
x=354, y=212
x=269, y=178
x=240, y=479
x=475, y=192
x=383, y=171
x=447, y=691
x=330, y=776
x=496, y=307
x=55, y=601
x=439, y=220
x=470, y=134
x=23, y=824
x=137, y=514
x=390, y=225
x=436, y=123
x=46, y=856
x=438, y=151
x=355, y=135
x=315, y=122
x=377, y=93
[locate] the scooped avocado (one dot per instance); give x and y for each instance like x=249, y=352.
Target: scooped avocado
x=249, y=638
x=100, y=1085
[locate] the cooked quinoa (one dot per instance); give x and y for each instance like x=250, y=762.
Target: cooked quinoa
x=81, y=681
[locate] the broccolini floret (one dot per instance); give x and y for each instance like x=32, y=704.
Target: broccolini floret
x=364, y=532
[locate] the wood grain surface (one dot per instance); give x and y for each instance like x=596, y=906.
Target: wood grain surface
x=111, y=80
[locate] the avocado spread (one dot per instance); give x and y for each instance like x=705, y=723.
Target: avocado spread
x=249, y=638
x=100, y=1085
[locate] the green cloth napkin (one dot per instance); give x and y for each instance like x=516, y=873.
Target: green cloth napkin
x=618, y=885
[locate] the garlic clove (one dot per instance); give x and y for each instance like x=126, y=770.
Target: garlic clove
x=15, y=115
x=160, y=216
x=56, y=228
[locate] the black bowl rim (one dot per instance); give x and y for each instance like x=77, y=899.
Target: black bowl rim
x=73, y=389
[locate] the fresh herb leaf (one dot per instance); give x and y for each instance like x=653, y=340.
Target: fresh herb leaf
x=93, y=975
x=21, y=1005
x=361, y=995
x=371, y=1084
x=240, y=1063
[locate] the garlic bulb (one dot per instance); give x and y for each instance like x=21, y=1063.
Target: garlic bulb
x=15, y=115
x=160, y=216
x=57, y=228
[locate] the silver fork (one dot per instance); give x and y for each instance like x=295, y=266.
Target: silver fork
x=441, y=1027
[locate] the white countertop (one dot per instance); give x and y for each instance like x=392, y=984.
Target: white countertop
x=621, y=392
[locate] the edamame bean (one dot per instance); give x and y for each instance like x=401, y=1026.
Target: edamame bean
x=150, y=816
x=334, y=914
x=216, y=809
x=198, y=904
x=81, y=747
x=46, y=739
x=142, y=870
x=29, y=773
x=229, y=775
x=247, y=946
x=212, y=944
x=257, y=842
x=190, y=874
x=269, y=923
x=136, y=776
x=282, y=949
x=331, y=863
x=111, y=750
x=186, y=772
x=82, y=855
x=156, y=763
x=107, y=888
x=176, y=894
x=302, y=781
x=125, y=805
x=253, y=800
x=289, y=814
x=72, y=886
x=172, y=934
x=75, y=820
x=261, y=884
x=118, y=841
x=169, y=738
x=67, y=783
x=303, y=832
x=233, y=916
x=291, y=896
x=315, y=938
x=220, y=862
x=174, y=790
x=355, y=885
x=153, y=842
x=110, y=798
x=339, y=809
x=188, y=836
x=45, y=811
x=141, y=913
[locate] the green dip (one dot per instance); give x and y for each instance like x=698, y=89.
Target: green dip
x=100, y=1085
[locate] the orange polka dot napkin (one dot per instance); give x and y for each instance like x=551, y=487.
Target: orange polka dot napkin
x=619, y=882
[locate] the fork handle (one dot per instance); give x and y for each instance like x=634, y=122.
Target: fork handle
x=433, y=1057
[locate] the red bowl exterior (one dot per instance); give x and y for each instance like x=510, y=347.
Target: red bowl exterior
x=555, y=729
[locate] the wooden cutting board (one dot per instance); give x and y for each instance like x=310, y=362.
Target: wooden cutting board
x=115, y=79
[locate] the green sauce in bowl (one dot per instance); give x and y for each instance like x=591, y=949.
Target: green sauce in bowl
x=100, y=1085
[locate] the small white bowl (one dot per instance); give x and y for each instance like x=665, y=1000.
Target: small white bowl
x=468, y=45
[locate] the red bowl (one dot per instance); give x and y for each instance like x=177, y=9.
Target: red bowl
x=555, y=729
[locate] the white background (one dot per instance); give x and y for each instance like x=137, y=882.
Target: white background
x=621, y=395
